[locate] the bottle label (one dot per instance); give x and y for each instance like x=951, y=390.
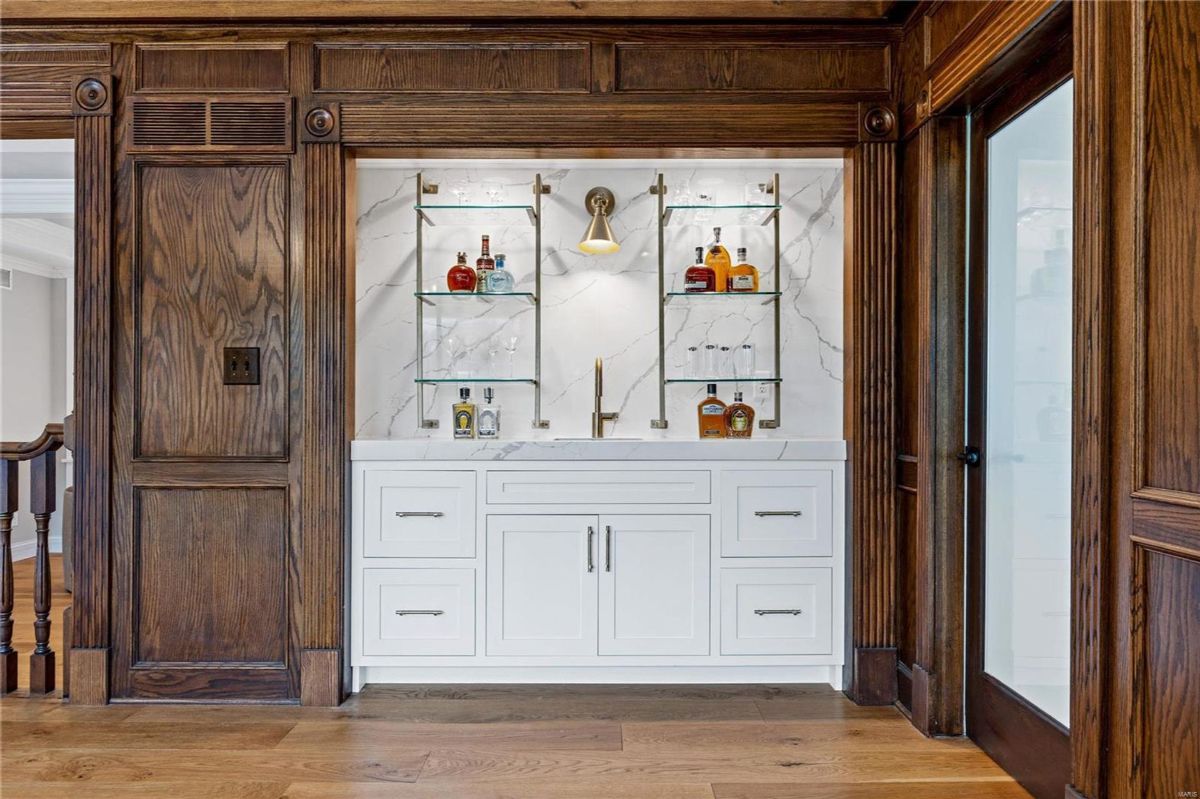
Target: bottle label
x=488, y=424
x=739, y=421
x=742, y=283
x=712, y=409
x=696, y=285
x=464, y=423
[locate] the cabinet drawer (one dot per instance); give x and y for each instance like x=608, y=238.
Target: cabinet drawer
x=777, y=611
x=625, y=487
x=419, y=612
x=408, y=514
x=767, y=514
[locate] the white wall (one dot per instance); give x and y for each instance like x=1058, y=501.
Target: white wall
x=32, y=380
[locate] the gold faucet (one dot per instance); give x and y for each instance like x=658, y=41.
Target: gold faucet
x=599, y=417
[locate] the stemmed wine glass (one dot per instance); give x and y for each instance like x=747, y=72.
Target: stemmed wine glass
x=510, y=346
x=460, y=189
x=455, y=350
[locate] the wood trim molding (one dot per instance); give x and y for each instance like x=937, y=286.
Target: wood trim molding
x=870, y=390
x=324, y=432
x=321, y=123
x=93, y=400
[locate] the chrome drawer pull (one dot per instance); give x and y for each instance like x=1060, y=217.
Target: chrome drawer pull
x=591, y=563
x=786, y=612
x=420, y=612
x=429, y=514
x=761, y=513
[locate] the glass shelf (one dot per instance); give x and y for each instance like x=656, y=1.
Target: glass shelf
x=529, y=380
x=724, y=380
x=476, y=215
x=428, y=297
x=770, y=296
x=720, y=215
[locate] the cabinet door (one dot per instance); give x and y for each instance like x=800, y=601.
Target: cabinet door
x=654, y=585
x=541, y=585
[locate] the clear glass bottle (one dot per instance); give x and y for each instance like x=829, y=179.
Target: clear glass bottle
x=739, y=418
x=699, y=277
x=500, y=280
x=461, y=277
x=489, y=414
x=717, y=258
x=743, y=276
x=464, y=415
x=711, y=414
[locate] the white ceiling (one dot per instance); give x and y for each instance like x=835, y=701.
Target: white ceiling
x=37, y=205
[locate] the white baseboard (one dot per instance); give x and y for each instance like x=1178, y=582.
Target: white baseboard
x=600, y=674
x=22, y=550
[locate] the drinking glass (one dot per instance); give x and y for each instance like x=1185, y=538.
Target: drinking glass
x=681, y=194
x=460, y=189
x=710, y=361
x=743, y=362
x=725, y=362
x=493, y=191
x=455, y=350
x=510, y=346
x=692, y=364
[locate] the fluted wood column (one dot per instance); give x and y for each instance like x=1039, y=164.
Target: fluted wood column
x=325, y=455
x=870, y=390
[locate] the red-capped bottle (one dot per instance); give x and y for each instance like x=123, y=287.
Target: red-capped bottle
x=699, y=277
x=484, y=264
x=461, y=277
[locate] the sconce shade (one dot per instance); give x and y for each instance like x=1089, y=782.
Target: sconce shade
x=598, y=239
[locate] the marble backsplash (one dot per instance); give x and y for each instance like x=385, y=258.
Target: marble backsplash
x=594, y=305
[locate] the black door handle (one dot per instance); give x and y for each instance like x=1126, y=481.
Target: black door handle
x=969, y=456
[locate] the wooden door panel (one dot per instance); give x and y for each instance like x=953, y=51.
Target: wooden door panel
x=211, y=273
x=211, y=577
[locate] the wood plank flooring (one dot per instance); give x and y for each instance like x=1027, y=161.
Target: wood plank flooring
x=489, y=742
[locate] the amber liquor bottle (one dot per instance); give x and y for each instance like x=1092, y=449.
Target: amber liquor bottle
x=739, y=418
x=461, y=277
x=711, y=413
x=718, y=258
x=699, y=277
x=483, y=264
x=743, y=276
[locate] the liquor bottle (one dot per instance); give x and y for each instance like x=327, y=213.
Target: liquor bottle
x=739, y=418
x=489, y=414
x=699, y=277
x=483, y=264
x=499, y=280
x=711, y=412
x=464, y=415
x=718, y=258
x=743, y=276
x=461, y=277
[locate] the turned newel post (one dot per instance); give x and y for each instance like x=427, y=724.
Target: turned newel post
x=8, y=506
x=42, y=489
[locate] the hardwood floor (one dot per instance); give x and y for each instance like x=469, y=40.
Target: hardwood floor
x=489, y=742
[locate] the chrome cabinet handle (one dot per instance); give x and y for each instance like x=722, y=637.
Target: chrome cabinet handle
x=591, y=535
x=420, y=612
x=781, y=612
x=430, y=514
x=607, y=548
x=761, y=513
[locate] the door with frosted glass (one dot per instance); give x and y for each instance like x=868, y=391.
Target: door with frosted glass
x=1019, y=423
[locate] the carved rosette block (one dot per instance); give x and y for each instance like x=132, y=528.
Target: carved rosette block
x=321, y=124
x=877, y=122
x=91, y=96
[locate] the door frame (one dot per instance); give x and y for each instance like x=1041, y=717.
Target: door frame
x=1022, y=738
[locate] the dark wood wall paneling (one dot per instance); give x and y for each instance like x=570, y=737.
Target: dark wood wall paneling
x=1137, y=437
x=243, y=241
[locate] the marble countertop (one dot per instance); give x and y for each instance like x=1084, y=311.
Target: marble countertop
x=610, y=449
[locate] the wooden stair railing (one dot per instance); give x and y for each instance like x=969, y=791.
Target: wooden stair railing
x=43, y=488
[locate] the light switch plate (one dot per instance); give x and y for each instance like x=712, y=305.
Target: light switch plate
x=241, y=366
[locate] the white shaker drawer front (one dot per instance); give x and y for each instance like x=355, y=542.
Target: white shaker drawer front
x=770, y=514
x=408, y=514
x=777, y=611
x=628, y=486
x=418, y=612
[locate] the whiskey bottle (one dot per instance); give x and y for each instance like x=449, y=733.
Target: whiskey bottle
x=464, y=415
x=742, y=275
x=739, y=418
x=711, y=413
x=483, y=264
x=699, y=277
x=499, y=280
x=461, y=277
x=718, y=259
x=489, y=414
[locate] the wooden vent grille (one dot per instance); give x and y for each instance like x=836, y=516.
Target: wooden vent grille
x=201, y=124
